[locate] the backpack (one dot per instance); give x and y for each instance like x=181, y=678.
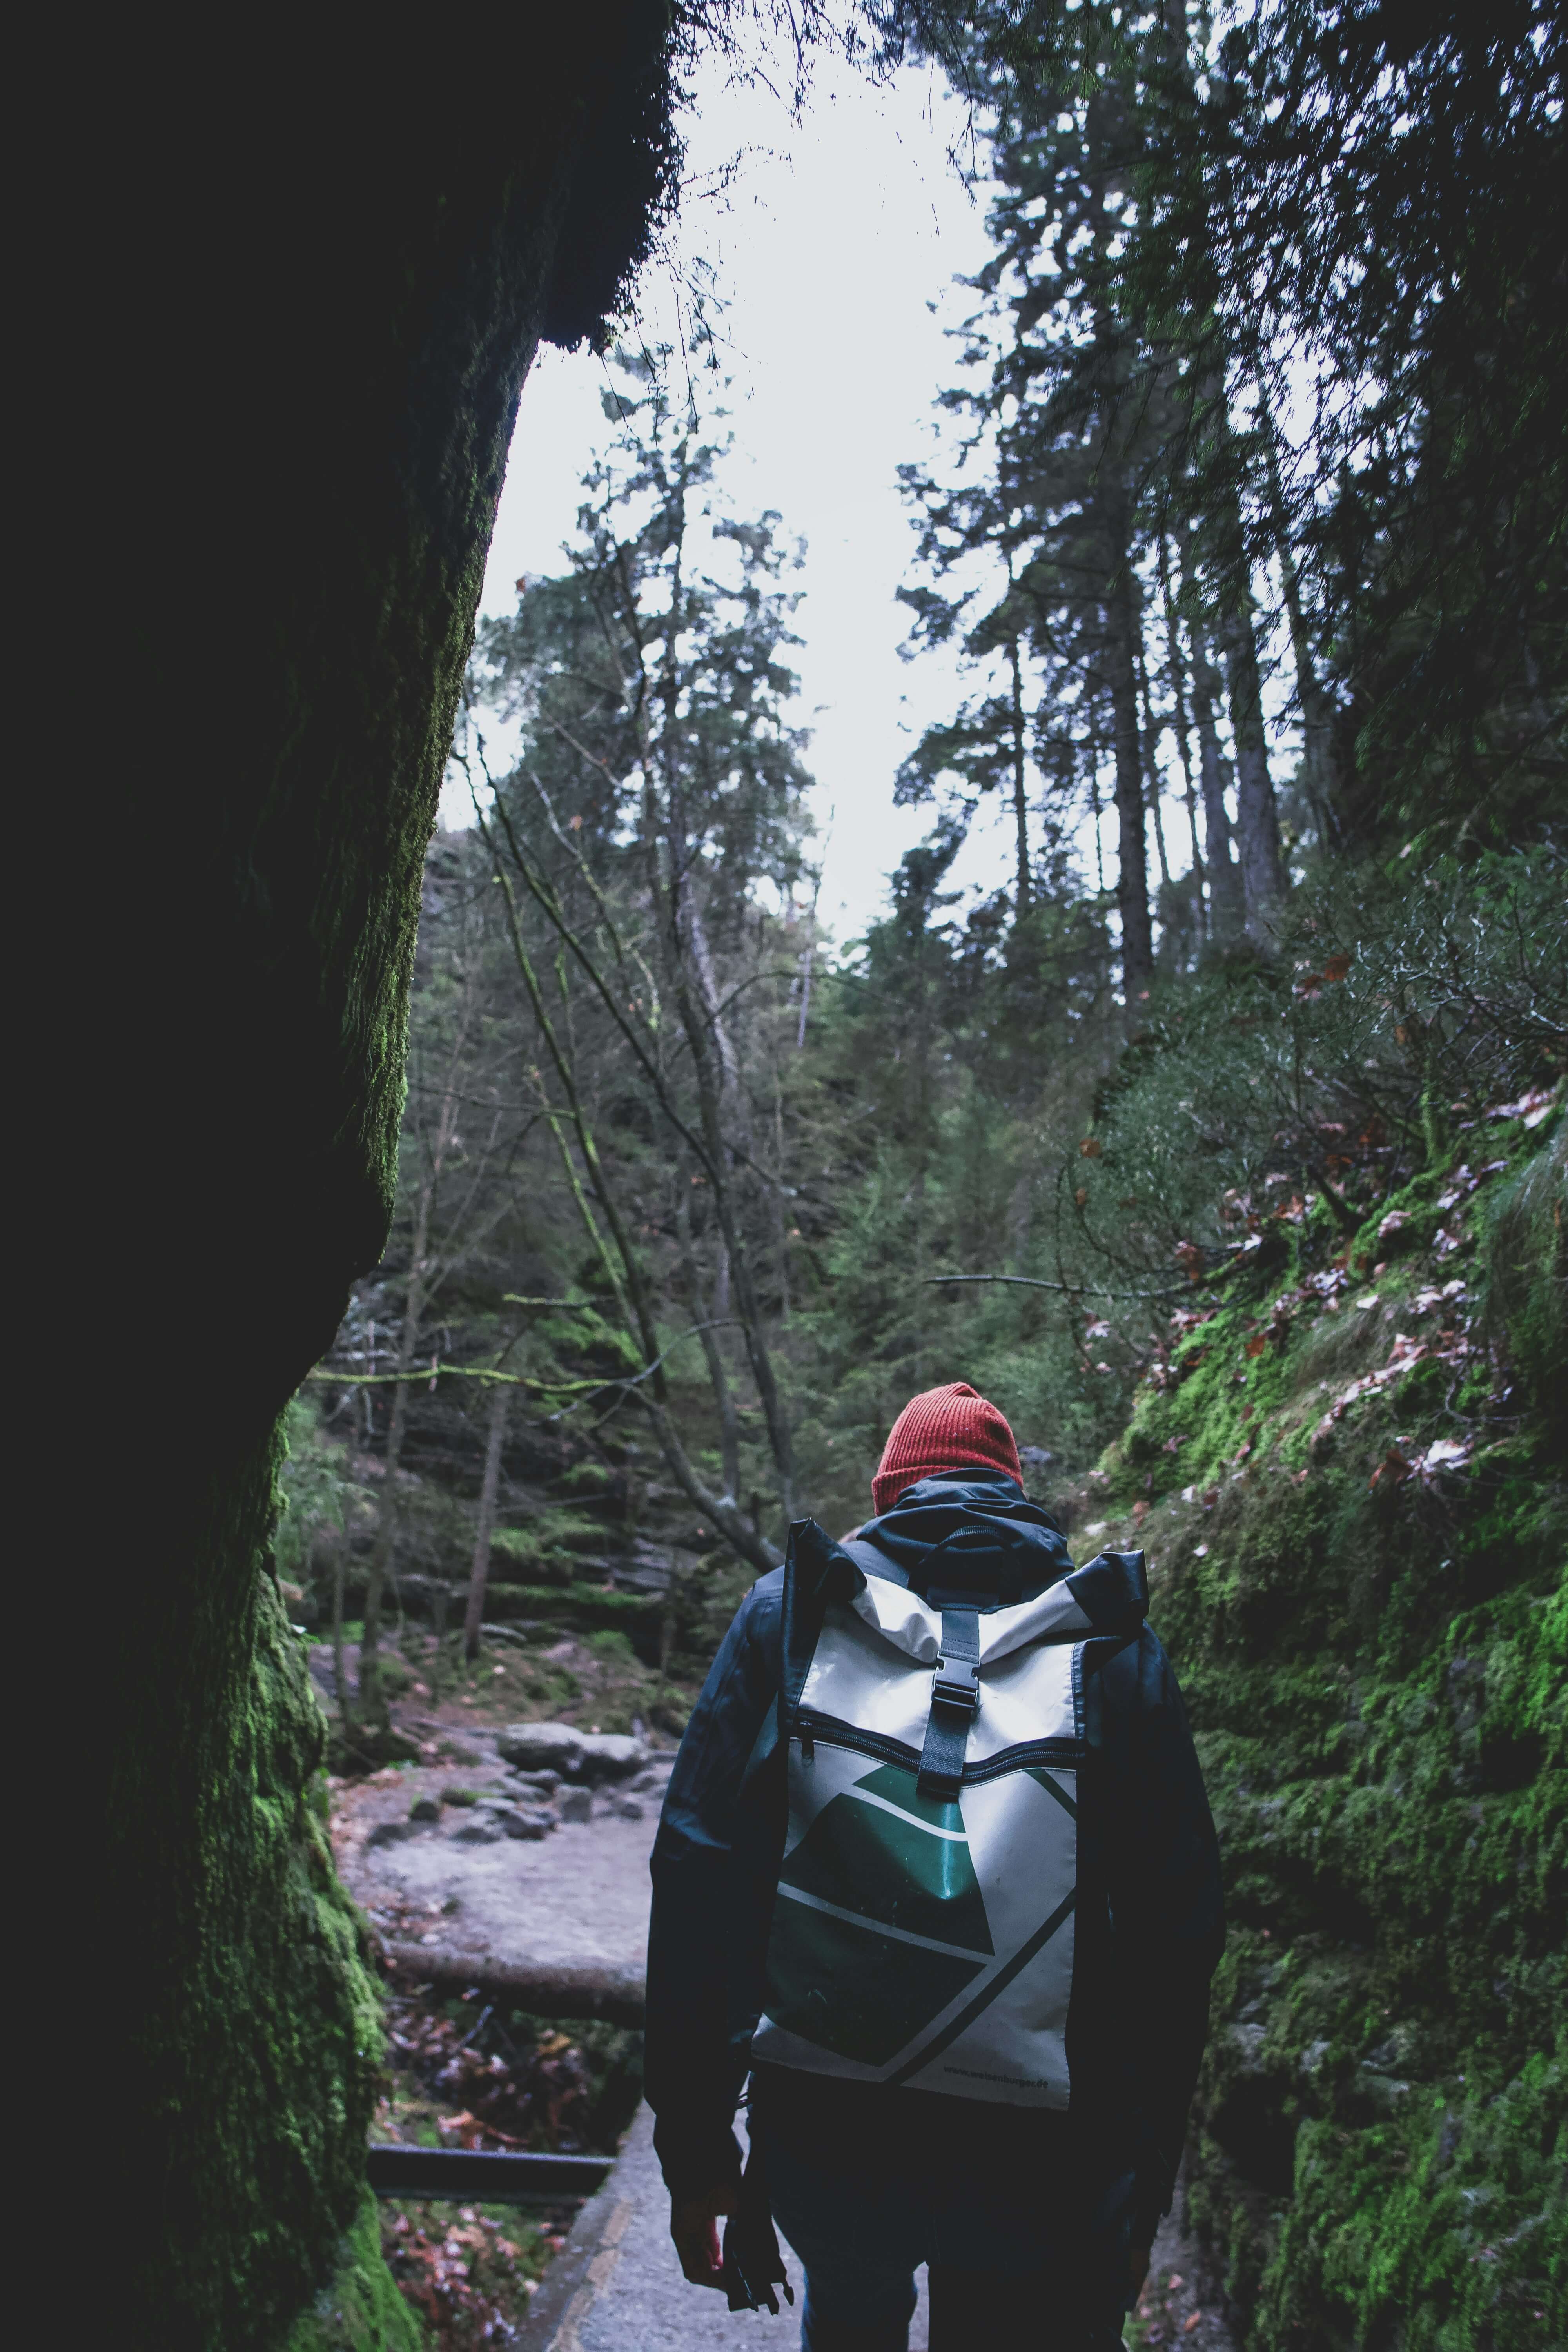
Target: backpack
x=922, y=1928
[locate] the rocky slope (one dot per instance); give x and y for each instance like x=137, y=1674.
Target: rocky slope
x=1348, y=1473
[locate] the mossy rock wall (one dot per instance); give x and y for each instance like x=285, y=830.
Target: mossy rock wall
x=1375, y=1653
x=252, y=2087
x=322, y=301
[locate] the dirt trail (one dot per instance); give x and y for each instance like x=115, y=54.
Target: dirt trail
x=577, y=1896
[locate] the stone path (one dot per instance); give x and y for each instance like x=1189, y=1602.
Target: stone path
x=616, y=2285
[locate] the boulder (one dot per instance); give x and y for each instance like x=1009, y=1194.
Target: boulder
x=480, y=1830
x=459, y=1795
x=516, y=1823
x=390, y=1833
x=590, y=1757
x=629, y=1809
x=575, y=1805
x=424, y=1808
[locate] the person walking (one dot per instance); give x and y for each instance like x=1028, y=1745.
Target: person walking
x=936, y=1869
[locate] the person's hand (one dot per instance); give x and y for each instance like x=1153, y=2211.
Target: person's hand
x=694, y=2226
x=1137, y=2272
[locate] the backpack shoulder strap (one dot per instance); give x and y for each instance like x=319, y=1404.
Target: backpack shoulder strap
x=816, y=1571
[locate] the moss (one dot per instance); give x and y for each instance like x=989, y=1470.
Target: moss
x=361, y=2309
x=241, y=1960
x=1376, y=1675
x=587, y=1604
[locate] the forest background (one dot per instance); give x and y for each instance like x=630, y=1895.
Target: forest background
x=1230, y=1164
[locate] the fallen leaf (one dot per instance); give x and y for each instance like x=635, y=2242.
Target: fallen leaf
x=1188, y=2325
x=1256, y=1347
x=1394, y=1467
x=1336, y=967
x=1091, y=1148
x=1445, y=1453
x=1531, y=1107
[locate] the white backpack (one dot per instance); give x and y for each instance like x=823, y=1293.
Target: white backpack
x=923, y=1933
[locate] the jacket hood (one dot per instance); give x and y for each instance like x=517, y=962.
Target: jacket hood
x=978, y=1535
x=981, y=1539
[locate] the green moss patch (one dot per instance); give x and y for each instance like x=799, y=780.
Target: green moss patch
x=361, y=2310
x=1374, y=1651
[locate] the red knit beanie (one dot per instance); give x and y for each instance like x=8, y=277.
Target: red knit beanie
x=943, y=1429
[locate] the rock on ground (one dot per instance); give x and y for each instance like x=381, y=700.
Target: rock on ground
x=588, y=1756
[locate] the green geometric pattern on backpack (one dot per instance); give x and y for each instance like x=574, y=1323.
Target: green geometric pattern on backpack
x=861, y=1995
x=900, y=1862
x=906, y=1869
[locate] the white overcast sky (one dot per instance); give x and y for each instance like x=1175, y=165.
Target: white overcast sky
x=836, y=246
x=836, y=236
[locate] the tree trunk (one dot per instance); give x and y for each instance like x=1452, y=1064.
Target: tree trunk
x=729, y=1425
x=719, y=1090
x=780, y=1237
x=1020, y=799
x=1152, y=762
x=705, y=1316
x=324, y=297
x=339, y=1663
x=1183, y=744
x=1257, y=816
x=372, y=1704
x=478, y=1574
x=1133, y=851
x=1227, y=910
x=1120, y=612
x=1317, y=717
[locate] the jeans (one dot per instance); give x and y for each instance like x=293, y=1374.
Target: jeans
x=1013, y=2264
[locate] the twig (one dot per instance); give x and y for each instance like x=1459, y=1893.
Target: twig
x=521, y=1380
x=1072, y=1289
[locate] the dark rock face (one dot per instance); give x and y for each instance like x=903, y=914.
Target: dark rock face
x=327, y=297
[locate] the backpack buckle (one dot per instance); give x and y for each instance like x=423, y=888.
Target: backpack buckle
x=957, y=1683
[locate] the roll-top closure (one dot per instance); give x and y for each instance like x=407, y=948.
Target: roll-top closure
x=909, y=1623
